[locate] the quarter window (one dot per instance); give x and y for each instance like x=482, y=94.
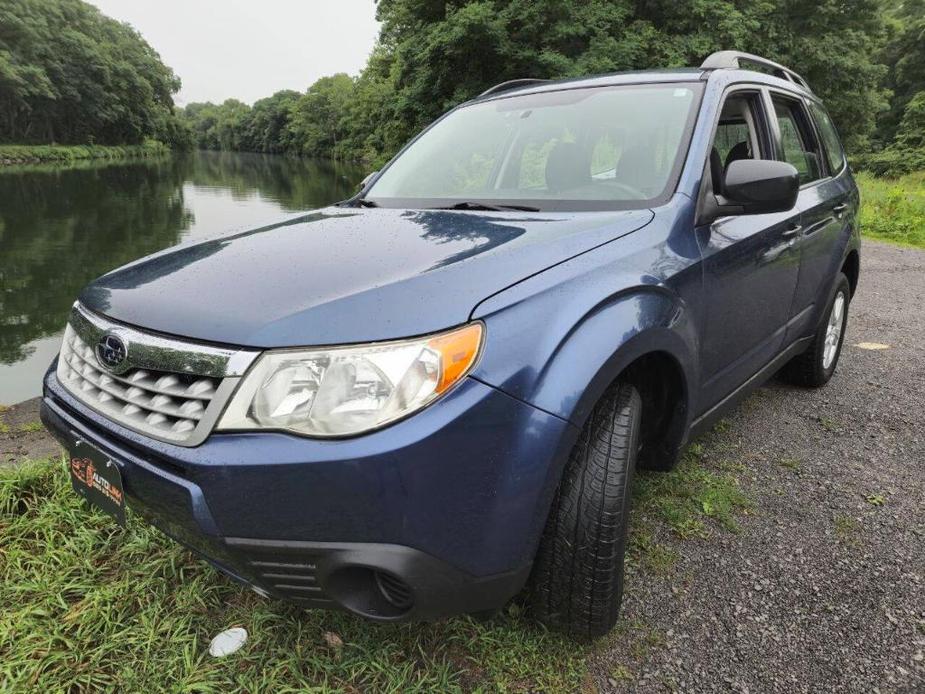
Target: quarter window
x=798, y=144
x=834, y=153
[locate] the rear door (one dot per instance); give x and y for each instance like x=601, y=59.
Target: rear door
x=750, y=265
x=825, y=202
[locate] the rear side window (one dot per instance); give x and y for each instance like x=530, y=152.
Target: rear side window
x=834, y=153
x=798, y=143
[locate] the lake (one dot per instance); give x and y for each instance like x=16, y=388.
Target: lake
x=61, y=227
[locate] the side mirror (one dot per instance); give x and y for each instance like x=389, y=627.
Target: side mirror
x=760, y=186
x=366, y=181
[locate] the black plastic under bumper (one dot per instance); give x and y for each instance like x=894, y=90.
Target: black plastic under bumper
x=377, y=581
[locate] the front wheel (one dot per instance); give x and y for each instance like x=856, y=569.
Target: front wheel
x=815, y=366
x=577, y=582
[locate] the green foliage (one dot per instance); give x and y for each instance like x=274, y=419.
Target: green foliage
x=894, y=210
x=88, y=606
x=445, y=52
x=431, y=56
x=690, y=493
x=71, y=153
x=69, y=74
x=904, y=53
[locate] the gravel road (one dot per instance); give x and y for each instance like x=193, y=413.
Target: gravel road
x=823, y=588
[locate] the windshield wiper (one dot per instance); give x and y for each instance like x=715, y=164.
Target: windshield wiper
x=363, y=202
x=467, y=205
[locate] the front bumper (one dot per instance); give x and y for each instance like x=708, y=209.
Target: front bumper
x=436, y=515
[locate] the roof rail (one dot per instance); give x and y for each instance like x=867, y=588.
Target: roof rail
x=733, y=59
x=511, y=84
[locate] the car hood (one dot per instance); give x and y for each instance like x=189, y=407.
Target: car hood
x=344, y=275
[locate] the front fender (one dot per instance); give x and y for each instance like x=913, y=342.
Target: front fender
x=563, y=363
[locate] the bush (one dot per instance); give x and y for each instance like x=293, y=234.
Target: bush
x=892, y=162
x=894, y=210
x=28, y=154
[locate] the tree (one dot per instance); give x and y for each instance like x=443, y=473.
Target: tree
x=316, y=123
x=446, y=52
x=434, y=54
x=69, y=74
x=904, y=53
x=267, y=127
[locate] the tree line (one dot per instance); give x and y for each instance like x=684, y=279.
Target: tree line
x=866, y=59
x=69, y=74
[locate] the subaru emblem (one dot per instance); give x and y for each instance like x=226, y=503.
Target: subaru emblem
x=111, y=352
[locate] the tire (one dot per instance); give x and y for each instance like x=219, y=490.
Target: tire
x=577, y=581
x=814, y=367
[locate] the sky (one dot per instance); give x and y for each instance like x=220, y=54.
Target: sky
x=249, y=49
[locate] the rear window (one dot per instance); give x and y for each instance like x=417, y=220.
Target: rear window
x=834, y=153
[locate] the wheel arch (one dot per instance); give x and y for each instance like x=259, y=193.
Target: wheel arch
x=654, y=353
x=851, y=266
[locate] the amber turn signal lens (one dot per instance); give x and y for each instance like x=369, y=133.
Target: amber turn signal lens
x=458, y=351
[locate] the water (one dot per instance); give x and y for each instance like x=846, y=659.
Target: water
x=61, y=227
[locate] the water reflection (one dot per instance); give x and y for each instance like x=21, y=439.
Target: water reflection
x=61, y=227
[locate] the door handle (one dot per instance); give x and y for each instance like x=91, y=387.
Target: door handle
x=838, y=209
x=792, y=231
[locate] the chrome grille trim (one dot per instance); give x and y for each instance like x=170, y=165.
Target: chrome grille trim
x=170, y=390
x=151, y=351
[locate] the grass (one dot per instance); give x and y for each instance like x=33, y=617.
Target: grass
x=31, y=154
x=790, y=463
x=691, y=495
x=87, y=605
x=893, y=209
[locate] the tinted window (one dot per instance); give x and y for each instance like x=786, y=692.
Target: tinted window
x=737, y=135
x=834, y=153
x=615, y=145
x=731, y=134
x=797, y=141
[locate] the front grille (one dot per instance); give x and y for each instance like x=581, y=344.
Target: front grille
x=165, y=388
x=168, y=404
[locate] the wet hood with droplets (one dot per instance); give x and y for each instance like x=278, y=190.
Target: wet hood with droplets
x=346, y=275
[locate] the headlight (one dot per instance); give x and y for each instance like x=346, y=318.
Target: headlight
x=342, y=391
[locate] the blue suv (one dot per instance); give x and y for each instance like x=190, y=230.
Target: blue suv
x=432, y=396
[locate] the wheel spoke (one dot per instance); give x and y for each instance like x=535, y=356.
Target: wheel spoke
x=833, y=330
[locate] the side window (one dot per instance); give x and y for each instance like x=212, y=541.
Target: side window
x=729, y=134
x=737, y=135
x=834, y=153
x=798, y=144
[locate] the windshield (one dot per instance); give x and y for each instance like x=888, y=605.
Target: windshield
x=594, y=148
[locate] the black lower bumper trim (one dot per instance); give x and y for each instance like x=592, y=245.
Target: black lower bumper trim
x=351, y=576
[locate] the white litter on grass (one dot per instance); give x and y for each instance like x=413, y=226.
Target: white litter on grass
x=871, y=345
x=228, y=642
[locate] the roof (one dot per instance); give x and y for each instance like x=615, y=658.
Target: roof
x=729, y=63
x=687, y=74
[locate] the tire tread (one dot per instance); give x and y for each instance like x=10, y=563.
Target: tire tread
x=578, y=574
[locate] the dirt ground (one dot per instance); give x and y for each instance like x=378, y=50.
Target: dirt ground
x=22, y=436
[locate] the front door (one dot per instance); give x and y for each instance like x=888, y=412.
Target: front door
x=751, y=263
